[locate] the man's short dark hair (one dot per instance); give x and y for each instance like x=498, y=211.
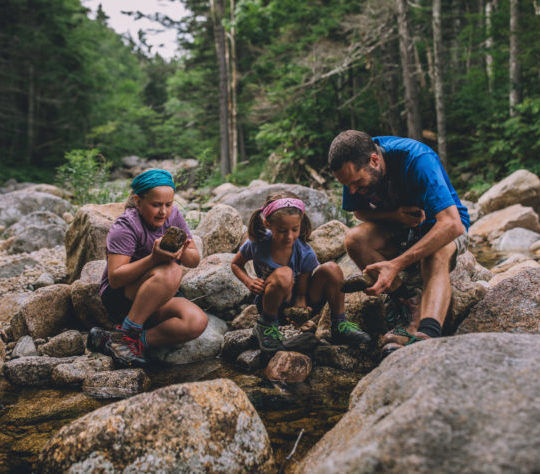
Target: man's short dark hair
x=353, y=146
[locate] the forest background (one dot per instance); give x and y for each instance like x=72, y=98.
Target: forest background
x=265, y=85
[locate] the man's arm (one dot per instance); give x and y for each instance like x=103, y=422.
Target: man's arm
x=447, y=227
x=410, y=216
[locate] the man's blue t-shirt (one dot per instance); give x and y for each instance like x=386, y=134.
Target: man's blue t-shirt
x=415, y=177
x=303, y=258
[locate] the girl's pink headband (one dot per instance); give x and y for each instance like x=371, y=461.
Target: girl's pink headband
x=280, y=204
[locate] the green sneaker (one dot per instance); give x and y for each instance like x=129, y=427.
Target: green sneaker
x=347, y=332
x=268, y=336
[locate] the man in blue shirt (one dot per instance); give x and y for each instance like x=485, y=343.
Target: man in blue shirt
x=411, y=213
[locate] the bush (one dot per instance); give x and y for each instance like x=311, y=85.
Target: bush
x=84, y=175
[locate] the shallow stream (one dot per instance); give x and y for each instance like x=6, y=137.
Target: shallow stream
x=29, y=417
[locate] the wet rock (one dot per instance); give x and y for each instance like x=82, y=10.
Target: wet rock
x=328, y=240
x=215, y=285
x=288, y=367
x=318, y=205
x=344, y=357
x=251, y=360
x=86, y=236
x=75, y=372
x=25, y=347
x=495, y=224
x=236, y=342
x=17, y=204
x=37, y=230
x=196, y=427
x=85, y=297
x=509, y=262
x=116, y=384
x=347, y=265
x=473, y=210
x=221, y=230
x=44, y=313
x=247, y=318
x=521, y=187
x=513, y=270
x=11, y=303
x=206, y=346
x=16, y=266
x=468, y=281
x=68, y=343
x=516, y=239
x=33, y=371
x=45, y=279
x=511, y=305
x=444, y=405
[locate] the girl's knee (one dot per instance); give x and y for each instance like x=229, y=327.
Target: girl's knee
x=331, y=272
x=281, y=278
x=170, y=276
x=358, y=235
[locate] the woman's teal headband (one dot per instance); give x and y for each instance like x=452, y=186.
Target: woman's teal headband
x=150, y=179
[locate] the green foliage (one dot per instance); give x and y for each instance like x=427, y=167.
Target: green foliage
x=84, y=175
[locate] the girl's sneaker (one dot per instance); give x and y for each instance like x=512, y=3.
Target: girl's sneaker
x=269, y=336
x=347, y=332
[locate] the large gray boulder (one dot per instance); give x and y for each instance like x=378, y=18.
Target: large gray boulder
x=460, y=404
x=41, y=229
x=44, y=313
x=318, y=206
x=516, y=239
x=86, y=236
x=221, y=230
x=193, y=427
x=206, y=346
x=521, y=187
x=495, y=224
x=213, y=285
x=17, y=204
x=513, y=305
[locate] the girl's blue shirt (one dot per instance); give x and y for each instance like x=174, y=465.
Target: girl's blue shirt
x=303, y=258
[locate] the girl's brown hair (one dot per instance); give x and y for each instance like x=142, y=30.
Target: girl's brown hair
x=257, y=229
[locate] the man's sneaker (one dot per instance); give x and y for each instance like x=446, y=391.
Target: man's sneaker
x=401, y=312
x=268, y=336
x=347, y=332
x=128, y=351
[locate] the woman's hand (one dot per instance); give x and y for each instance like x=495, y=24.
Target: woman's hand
x=256, y=285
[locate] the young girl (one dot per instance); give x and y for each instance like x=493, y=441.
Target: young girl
x=140, y=284
x=288, y=273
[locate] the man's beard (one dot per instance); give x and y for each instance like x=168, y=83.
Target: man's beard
x=377, y=189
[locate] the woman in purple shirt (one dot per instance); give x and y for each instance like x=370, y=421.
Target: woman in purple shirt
x=140, y=284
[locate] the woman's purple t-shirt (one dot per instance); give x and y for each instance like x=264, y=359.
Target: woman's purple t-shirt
x=130, y=235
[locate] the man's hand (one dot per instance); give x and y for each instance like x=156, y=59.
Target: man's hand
x=411, y=216
x=256, y=285
x=387, y=272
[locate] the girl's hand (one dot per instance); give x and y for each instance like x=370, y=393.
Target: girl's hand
x=256, y=285
x=160, y=256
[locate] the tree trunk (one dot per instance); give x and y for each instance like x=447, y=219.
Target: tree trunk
x=391, y=87
x=515, y=96
x=438, y=81
x=414, y=127
x=216, y=7
x=489, y=9
x=30, y=119
x=233, y=87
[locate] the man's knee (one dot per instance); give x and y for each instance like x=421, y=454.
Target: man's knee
x=440, y=260
x=358, y=237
